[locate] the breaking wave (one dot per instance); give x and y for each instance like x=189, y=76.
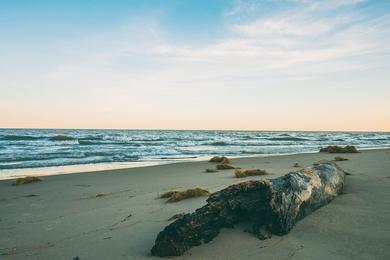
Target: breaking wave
x=29, y=148
x=61, y=138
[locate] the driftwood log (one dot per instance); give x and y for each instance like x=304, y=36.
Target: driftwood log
x=273, y=205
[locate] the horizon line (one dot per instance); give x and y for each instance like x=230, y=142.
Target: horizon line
x=172, y=129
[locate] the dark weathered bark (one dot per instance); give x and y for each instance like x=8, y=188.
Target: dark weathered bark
x=273, y=205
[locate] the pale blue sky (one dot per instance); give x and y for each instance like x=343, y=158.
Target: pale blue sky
x=212, y=64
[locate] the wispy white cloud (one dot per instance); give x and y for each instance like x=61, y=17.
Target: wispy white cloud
x=296, y=41
x=243, y=7
x=328, y=5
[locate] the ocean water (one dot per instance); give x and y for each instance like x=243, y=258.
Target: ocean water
x=32, y=148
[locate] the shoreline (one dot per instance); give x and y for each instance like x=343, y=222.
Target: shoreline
x=9, y=174
x=117, y=214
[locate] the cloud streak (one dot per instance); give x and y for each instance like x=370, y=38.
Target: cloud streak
x=290, y=42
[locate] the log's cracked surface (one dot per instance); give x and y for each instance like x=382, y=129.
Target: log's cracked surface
x=273, y=205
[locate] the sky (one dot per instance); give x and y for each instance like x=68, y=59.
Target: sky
x=200, y=64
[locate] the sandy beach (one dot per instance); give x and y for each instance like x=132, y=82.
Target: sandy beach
x=117, y=214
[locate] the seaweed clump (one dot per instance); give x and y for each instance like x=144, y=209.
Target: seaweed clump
x=176, y=216
x=220, y=159
x=339, y=159
x=174, y=196
x=224, y=167
x=211, y=170
x=253, y=172
x=297, y=165
x=26, y=180
x=339, y=149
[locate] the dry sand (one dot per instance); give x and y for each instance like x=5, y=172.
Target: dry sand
x=61, y=217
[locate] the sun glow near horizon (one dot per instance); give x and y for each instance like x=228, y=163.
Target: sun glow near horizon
x=248, y=65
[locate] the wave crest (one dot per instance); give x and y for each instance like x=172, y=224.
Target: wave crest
x=61, y=138
x=291, y=138
x=20, y=137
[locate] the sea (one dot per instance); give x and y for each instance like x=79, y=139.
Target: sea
x=66, y=150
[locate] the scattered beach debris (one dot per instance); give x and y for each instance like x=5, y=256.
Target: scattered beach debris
x=339, y=149
x=104, y=238
x=127, y=218
x=297, y=165
x=102, y=194
x=30, y=195
x=339, y=159
x=26, y=180
x=174, y=196
x=211, y=170
x=264, y=202
x=220, y=159
x=263, y=233
x=76, y=258
x=105, y=194
x=83, y=185
x=98, y=195
x=251, y=172
x=224, y=167
x=176, y=216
